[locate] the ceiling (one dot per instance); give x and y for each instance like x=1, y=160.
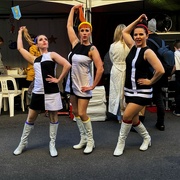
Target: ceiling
x=91, y=3
x=54, y=7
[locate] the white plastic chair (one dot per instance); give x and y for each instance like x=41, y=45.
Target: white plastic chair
x=10, y=94
x=24, y=92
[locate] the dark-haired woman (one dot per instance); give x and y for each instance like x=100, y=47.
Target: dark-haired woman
x=138, y=90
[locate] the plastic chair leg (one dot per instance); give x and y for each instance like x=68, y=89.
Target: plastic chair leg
x=11, y=105
x=0, y=102
x=22, y=101
x=5, y=103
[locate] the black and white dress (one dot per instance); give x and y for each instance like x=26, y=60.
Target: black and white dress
x=80, y=74
x=45, y=95
x=137, y=67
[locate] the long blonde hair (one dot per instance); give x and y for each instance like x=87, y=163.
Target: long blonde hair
x=28, y=37
x=118, y=33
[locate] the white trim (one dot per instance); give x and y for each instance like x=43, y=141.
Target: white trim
x=138, y=90
x=138, y=95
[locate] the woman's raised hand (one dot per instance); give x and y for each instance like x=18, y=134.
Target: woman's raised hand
x=76, y=7
x=142, y=17
x=22, y=28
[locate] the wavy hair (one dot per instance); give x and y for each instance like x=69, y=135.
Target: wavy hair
x=28, y=37
x=118, y=33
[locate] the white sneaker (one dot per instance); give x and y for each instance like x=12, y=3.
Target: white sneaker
x=176, y=114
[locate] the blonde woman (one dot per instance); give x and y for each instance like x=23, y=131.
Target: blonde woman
x=80, y=82
x=46, y=94
x=117, y=52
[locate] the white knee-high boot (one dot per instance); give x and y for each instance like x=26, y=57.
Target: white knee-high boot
x=24, y=138
x=89, y=132
x=82, y=130
x=145, y=135
x=53, y=133
x=123, y=133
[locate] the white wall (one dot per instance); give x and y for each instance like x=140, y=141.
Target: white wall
x=46, y=26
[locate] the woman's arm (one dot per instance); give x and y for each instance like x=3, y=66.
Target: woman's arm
x=28, y=56
x=157, y=66
x=65, y=68
x=94, y=54
x=71, y=33
x=127, y=31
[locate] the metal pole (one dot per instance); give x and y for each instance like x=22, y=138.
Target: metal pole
x=88, y=18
